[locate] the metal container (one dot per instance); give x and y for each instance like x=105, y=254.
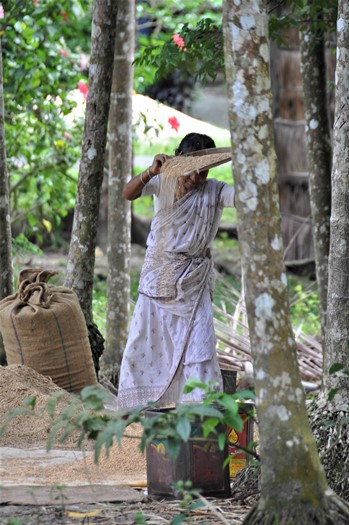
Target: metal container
x=199, y=460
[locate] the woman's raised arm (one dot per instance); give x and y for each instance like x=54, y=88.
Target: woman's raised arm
x=133, y=188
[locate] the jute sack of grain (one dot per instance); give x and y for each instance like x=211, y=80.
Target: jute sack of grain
x=44, y=328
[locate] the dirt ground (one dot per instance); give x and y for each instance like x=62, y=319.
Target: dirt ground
x=148, y=512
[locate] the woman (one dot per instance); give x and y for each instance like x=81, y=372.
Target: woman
x=172, y=334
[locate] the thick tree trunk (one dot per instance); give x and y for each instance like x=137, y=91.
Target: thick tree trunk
x=337, y=332
x=81, y=257
x=119, y=209
x=319, y=153
x=6, y=273
x=293, y=484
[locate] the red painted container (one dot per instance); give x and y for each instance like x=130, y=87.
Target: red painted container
x=200, y=461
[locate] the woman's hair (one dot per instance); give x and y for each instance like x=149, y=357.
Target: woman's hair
x=194, y=142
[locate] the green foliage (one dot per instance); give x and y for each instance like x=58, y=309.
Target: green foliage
x=305, y=305
x=22, y=246
x=299, y=14
x=200, y=57
x=99, y=303
x=200, y=27
x=42, y=63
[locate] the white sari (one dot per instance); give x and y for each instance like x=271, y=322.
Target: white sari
x=172, y=334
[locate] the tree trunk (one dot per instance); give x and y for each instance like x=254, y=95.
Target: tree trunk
x=81, y=257
x=337, y=332
x=6, y=273
x=119, y=209
x=293, y=484
x=318, y=152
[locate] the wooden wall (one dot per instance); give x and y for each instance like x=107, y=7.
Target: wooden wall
x=289, y=130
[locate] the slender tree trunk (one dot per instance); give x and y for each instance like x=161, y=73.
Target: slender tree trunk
x=337, y=332
x=6, y=273
x=81, y=257
x=319, y=153
x=293, y=484
x=119, y=210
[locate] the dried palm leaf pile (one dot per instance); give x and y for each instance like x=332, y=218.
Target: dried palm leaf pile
x=234, y=349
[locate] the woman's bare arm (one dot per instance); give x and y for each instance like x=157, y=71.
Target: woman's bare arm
x=134, y=187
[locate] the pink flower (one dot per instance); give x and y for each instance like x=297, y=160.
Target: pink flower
x=36, y=3
x=67, y=135
x=83, y=62
x=2, y=12
x=63, y=52
x=178, y=40
x=174, y=123
x=83, y=88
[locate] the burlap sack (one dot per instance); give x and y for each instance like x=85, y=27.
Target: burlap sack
x=44, y=328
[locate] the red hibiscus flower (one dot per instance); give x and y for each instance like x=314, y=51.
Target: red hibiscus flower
x=174, y=123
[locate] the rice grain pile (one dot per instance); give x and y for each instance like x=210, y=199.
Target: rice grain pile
x=125, y=464
x=18, y=382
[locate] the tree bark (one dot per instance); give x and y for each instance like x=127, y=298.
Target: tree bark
x=119, y=209
x=6, y=272
x=81, y=257
x=337, y=331
x=318, y=151
x=293, y=484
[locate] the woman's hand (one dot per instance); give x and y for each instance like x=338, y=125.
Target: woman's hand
x=158, y=161
x=133, y=188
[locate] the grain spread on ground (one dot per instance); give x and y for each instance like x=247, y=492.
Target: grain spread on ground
x=124, y=464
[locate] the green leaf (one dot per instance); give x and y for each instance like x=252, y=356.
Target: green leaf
x=183, y=428
x=196, y=505
x=332, y=393
x=329, y=423
x=222, y=438
x=209, y=426
x=230, y=404
x=193, y=383
x=203, y=410
x=178, y=520
x=336, y=367
x=174, y=447
x=236, y=422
